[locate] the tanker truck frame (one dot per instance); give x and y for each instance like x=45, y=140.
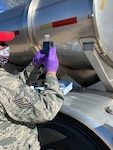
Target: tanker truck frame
x=82, y=30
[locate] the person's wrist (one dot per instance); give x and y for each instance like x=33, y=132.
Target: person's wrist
x=51, y=72
x=34, y=64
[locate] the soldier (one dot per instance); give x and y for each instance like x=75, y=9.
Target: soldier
x=21, y=107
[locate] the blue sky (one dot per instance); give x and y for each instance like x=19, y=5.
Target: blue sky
x=3, y=6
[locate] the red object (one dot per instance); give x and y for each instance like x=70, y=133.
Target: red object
x=64, y=22
x=16, y=32
x=6, y=36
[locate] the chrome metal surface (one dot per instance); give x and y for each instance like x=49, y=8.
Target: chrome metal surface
x=93, y=20
x=103, y=26
x=65, y=37
x=90, y=110
x=105, y=72
x=27, y=19
x=37, y=18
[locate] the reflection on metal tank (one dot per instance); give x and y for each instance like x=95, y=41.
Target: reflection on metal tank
x=69, y=23
x=66, y=21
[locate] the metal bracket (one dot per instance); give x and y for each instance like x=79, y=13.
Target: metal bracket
x=104, y=72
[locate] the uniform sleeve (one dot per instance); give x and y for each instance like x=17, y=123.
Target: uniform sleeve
x=26, y=105
x=30, y=74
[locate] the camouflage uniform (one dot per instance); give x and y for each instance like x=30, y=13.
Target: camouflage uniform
x=21, y=108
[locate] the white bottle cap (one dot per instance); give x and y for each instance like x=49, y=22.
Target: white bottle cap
x=47, y=37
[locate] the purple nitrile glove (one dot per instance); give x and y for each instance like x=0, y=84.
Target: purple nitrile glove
x=51, y=63
x=39, y=58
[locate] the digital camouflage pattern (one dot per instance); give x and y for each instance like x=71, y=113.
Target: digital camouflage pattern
x=21, y=108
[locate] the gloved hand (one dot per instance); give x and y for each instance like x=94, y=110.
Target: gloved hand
x=39, y=58
x=51, y=62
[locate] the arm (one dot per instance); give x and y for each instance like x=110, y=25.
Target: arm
x=25, y=105
x=30, y=74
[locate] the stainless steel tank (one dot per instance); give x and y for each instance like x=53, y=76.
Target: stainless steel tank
x=31, y=22
x=69, y=23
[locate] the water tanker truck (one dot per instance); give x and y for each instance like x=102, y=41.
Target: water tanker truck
x=82, y=30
